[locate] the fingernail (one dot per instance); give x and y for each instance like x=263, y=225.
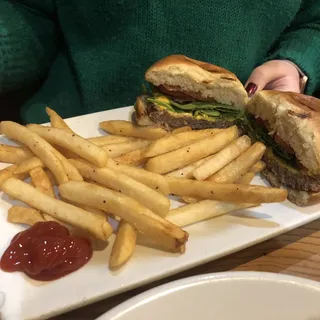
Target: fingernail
x=251, y=88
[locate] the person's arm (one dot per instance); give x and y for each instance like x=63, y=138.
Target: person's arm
x=28, y=42
x=300, y=43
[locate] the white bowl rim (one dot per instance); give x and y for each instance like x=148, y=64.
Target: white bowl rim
x=175, y=285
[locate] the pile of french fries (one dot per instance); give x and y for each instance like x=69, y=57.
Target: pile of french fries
x=128, y=175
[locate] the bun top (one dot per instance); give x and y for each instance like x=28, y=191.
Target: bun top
x=196, y=78
x=296, y=120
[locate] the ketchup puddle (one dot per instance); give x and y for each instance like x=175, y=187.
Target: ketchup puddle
x=46, y=251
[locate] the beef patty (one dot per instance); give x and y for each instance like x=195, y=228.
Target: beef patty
x=290, y=177
x=173, y=120
x=300, y=198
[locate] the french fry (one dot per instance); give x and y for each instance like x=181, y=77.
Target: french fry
x=134, y=158
x=153, y=180
x=29, y=216
x=123, y=245
x=41, y=181
x=222, y=158
x=93, y=210
x=246, y=178
x=258, y=167
x=142, y=218
x=126, y=128
x=145, y=241
x=235, y=169
x=71, y=171
x=47, y=217
x=94, y=182
x=120, y=149
x=77, y=217
x=71, y=141
x=90, y=209
x=34, y=162
x=12, y=154
x=50, y=218
x=176, y=141
x=65, y=152
x=190, y=199
x=51, y=177
x=56, y=121
x=106, y=140
x=181, y=129
x=203, y=210
x=186, y=172
x=41, y=148
x=122, y=183
x=186, y=155
x=28, y=165
x=225, y=192
x=7, y=173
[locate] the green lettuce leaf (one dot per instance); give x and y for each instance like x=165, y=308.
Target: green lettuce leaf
x=166, y=105
x=161, y=103
x=204, y=113
x=211, y=111
x=193, y=105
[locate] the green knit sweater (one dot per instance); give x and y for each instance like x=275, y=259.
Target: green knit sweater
x=93, y=54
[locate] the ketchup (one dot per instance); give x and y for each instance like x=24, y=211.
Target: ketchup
x=46, y=251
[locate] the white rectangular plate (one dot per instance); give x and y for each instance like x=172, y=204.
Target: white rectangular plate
x=209, y=240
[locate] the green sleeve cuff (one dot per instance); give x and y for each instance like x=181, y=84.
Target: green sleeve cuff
x=302, y=48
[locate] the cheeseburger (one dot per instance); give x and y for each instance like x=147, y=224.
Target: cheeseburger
x=188, y=92
x=289, y=124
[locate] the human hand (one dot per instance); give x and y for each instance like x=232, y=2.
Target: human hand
x=278, y=75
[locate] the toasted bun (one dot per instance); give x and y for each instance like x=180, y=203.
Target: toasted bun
x=300, y=198
x=149, y=114
x=205, y=80
x=296, y=119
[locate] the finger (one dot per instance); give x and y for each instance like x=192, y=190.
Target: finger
x=269, y=72
x=264, y=74
x=291, y=84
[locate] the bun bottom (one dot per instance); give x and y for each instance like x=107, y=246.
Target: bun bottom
x=149, y=114
x=300, y=198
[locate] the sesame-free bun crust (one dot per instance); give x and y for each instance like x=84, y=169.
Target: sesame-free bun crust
x=205, y=80
x=296, y=119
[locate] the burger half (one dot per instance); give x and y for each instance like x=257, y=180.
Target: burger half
x=289, y=124
x=188, y=92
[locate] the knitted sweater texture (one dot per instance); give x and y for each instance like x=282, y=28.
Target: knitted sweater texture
x=93, y=54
